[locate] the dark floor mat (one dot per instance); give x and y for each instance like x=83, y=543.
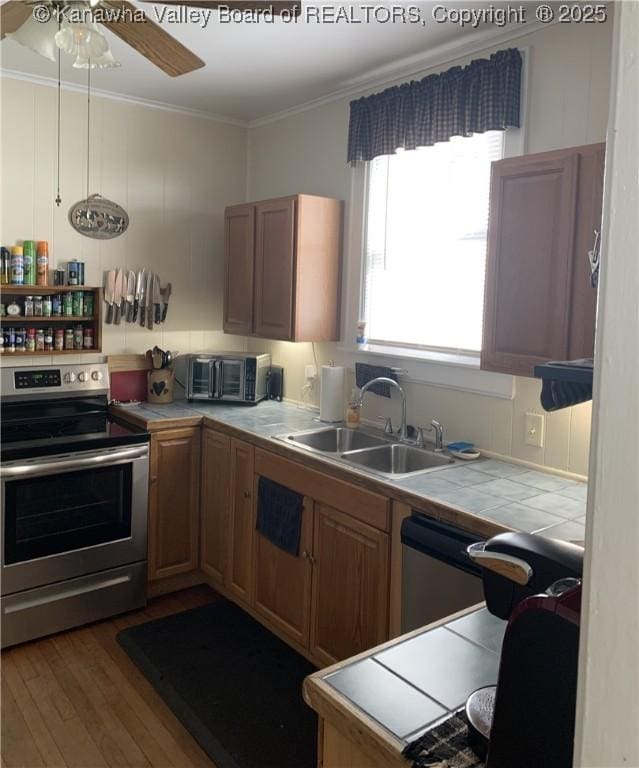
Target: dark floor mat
x=235, y=686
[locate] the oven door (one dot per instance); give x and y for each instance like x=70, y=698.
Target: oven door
x=71, y=515
x=229, y=376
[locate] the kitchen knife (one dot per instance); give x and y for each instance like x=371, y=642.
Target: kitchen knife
x=157, y=299
x=149, y=301
x=139, y=288
x=130, y=295
x=109, y=293
x=119, y=291
x=166, y=295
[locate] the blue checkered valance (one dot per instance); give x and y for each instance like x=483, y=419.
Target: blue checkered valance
x=483, y=96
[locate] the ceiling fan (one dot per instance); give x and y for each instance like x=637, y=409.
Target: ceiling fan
x=135, y=29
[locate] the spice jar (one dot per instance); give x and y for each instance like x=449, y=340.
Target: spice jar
x=5, y=266
x=21, y=339
x=56, y=305
x=88, y=303
x=58, y=276
x=42, y=262
x=77, y=303
x=88, y=338
x=68, y=338
x=31, y=340
x=37, y=306
x=39, y=340
x=48, y=340
x=10, y=339
x=78, y=337
x=17, y=265
x=29, y=254
x=13, y=309
x=58, y=342
x=47, y=306
x=28, y=306
x=67, y=304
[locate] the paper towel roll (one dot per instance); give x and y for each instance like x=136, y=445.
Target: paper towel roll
x=332, y=393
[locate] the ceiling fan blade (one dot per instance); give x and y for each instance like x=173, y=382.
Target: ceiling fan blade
x=277, y=6
x=156, y=45
x=13, y=15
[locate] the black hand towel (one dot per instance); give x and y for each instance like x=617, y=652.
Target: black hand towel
x=279, y=515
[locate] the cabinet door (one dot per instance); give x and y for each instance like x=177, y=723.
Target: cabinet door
x=350, y=586
x=239, y=577
x=214, y=504
x=274, y=268
x=283, y=581
x=529, y=258
x=239, y=241
x=174, y=502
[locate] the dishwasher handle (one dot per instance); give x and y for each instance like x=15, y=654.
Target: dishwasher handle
x=442, y=541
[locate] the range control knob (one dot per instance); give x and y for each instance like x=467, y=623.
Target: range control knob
x=69, y=378
x=83, y=376
x=96, y=375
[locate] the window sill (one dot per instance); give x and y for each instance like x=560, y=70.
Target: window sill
x=437, y=369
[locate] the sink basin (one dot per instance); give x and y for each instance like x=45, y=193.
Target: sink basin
x=398, y=460
x=335, y=440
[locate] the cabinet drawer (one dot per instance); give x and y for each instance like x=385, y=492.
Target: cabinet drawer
x=369, y=507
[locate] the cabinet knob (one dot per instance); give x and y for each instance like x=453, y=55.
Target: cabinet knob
x=247, y=494
x=307, y=556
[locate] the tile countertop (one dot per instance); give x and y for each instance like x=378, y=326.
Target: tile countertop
x=391, y=695
x=490, y=491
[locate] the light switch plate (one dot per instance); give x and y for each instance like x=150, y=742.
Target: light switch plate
x=310, y=372
x=535, y=429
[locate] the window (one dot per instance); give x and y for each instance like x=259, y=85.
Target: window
x=425, y=244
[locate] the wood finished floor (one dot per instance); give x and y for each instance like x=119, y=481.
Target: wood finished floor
x=75, y=699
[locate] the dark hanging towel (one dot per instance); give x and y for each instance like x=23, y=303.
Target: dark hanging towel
x=279, y=515
x=365, y=373
x=484, y=96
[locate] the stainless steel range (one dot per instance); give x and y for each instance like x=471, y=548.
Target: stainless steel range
x=74, y=502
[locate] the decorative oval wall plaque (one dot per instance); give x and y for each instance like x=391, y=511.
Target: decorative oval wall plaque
x=99, y=218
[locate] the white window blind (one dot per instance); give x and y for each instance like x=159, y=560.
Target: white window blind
x=425, y=244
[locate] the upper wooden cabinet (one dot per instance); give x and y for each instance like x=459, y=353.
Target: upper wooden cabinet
x=239, y=239
x=539, y=305
x=282, y=268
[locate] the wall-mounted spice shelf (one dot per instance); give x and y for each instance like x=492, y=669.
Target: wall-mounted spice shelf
x=9, y=293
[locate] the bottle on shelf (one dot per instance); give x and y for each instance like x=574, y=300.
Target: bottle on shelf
x=17, y=265
x=29, y=258
x=42, y=263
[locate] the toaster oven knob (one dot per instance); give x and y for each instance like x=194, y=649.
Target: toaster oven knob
x=83, y=376
x=96, y=375
x=69, y=377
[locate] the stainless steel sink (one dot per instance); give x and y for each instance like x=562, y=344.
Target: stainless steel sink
x=397, y=460
x=335, y=440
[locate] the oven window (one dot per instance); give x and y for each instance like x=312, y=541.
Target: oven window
x=71, y=510
x=232, y=378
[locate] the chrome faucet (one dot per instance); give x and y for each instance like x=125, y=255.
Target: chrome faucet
x=402, y=432
x=439, y=434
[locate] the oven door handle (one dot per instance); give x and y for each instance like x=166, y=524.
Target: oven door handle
x=86, y=462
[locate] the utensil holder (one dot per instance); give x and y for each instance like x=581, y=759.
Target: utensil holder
x=160, y=385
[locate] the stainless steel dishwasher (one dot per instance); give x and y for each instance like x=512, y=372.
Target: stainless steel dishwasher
x=438, y=577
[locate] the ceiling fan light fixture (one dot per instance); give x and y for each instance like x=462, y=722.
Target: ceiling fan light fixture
x=81, y=39
x=104, y=61
x=37, y=37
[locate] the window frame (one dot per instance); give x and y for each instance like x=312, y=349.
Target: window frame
x=455, y=369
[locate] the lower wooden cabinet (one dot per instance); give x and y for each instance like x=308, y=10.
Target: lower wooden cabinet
x=350, y=586
x=239, y=572
x=214, y=504
x=283, y=581
x=174, y=497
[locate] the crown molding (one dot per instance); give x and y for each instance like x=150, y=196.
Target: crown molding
x=410, y=66
x=50, y=82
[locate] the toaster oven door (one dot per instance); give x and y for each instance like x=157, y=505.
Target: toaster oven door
x=230, y=379
x=202, y=378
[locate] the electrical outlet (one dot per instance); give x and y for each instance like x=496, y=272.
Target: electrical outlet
x=535, y=428
x=310, y=372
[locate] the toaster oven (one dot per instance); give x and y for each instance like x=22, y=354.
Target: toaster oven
x=234, y=377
